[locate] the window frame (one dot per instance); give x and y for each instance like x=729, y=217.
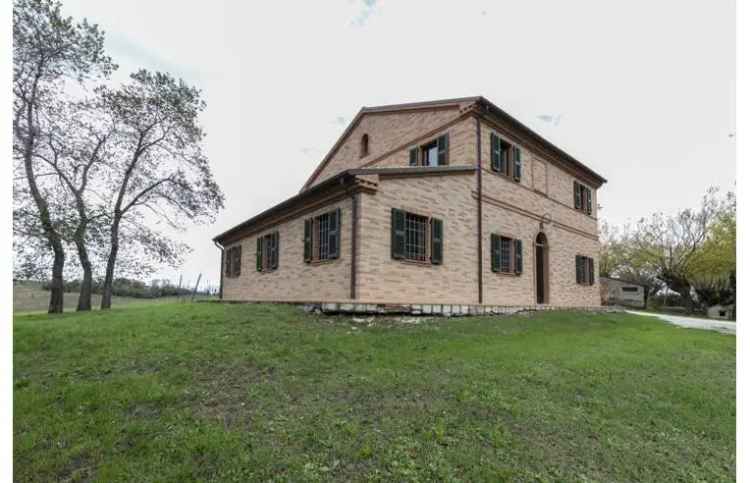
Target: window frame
x=588, y=273
x=269, y=247
x=509, y=160
x=430, y=224
x=319, y=254
x=232, y=262
x=513, y=268
x=583, y=198
x=419, y=155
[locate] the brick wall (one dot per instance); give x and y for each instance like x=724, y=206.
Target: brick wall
x=295, y=280
x=382, y=279
x=385, y=132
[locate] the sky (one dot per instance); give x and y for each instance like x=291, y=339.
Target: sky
x=642, y=92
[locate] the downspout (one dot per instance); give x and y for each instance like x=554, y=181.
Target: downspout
x=355, y=223
x=221, y=270
x=479, y=209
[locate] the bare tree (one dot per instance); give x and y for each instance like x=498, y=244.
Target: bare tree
x=48, y=50
x=160, y=169
x=76, y=150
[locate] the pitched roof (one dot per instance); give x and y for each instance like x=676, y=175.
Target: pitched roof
x=460, y=103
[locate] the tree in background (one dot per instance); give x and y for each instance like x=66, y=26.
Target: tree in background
x=712, y=270
x=48, y=51
x=160, y=168
x=690, y=253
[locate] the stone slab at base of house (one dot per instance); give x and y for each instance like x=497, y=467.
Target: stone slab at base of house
x=446, y=310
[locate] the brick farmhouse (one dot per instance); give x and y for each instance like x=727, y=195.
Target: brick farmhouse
x=441, y=202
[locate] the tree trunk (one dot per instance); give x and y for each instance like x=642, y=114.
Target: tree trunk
x=56, y=287
x=109, y=275
x=84, y=297
x=57, y=290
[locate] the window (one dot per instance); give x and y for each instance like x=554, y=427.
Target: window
x=506, y=254
x=267, y=252
x=416, y=237
x=323, y=237
x=505, y=158
x=233, y=261
x=364, y=146
x=433, y=153
x=629, y=289
x=584, y=270
x=582, y=197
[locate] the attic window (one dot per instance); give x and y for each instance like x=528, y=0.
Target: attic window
x=364, y=146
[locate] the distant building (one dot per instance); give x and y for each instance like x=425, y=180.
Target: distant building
x=621, y=292
x=721, y=312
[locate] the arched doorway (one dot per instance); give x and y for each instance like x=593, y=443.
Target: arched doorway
x=541, y=257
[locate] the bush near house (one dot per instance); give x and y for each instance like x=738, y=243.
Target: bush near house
x=266, y=392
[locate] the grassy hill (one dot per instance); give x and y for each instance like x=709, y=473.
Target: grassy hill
x=31, y=297
x=198, y=392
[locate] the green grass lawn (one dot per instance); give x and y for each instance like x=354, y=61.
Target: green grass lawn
x=31, y=297
x=261, y=392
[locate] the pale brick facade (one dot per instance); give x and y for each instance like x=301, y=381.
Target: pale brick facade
x=367, y=188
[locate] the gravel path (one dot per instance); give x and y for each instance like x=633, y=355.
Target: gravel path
x=693, y=323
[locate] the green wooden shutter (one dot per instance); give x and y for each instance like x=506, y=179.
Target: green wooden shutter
x=495, y=252
x=577, y=194
x=228, y=262
x=579, y=269
x=398, y=233
x=334, y=233
x=259, y=254
x=588, y=201
x=494, y=152
x=308, y=240
x=414, y=157
x=518, y=246
x=517, y=164
x=442, y=143
x=437, y=241
x=237, y=264
x=591, y=271
x=275, y=250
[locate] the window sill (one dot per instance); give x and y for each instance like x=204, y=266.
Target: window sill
x=417, y=263
x=507, y=274
x=322, y=262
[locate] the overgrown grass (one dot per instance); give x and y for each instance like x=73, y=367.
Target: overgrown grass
x=262, y=392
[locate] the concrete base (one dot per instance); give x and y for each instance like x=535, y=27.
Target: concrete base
x=447, y=310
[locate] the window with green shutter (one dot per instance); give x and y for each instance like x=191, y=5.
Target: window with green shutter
x=582, y=197
x=308, y=240
x=494, y=152
x=416, y=237
x=505, y=158
x=517, y=164
x=495, y=252
x=506, y=254
x=518, y=249
x=584, y=270
x=267, y=252
x=433, y=153
x=228, y=262
x=237, y=261
x=398, y=234
x=437, y=241
x=322, y=237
